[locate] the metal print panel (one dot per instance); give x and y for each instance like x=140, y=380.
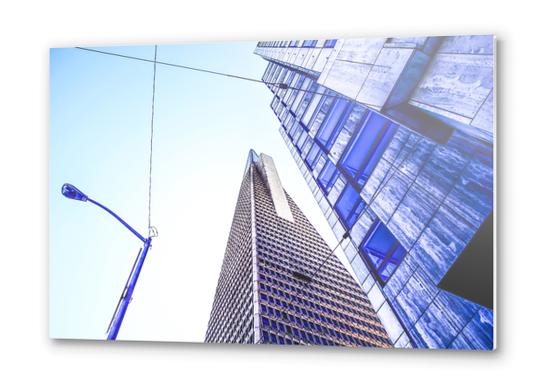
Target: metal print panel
x=393, y=137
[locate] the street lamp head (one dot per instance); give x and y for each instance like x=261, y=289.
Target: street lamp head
x=73, y=193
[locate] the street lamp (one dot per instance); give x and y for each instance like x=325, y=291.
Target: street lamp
x=73, y=193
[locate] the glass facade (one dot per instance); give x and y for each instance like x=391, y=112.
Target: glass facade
x=410, y=202
x=263, y=293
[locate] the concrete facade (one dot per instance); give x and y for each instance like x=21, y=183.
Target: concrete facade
x=395, y=139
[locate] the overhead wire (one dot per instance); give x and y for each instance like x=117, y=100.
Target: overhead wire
x=224, y=74
x=152, y=230
x=309, y=278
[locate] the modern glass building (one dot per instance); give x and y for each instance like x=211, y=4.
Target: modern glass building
x=280, y=283
x=395, y=139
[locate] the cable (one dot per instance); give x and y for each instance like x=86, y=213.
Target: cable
x=306, y=282
x=152, y=231
x=345, y=235
x=280, y=85
x=172, y=65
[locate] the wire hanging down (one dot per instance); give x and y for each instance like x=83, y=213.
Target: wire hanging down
x=279, y=85
x=305, y=280
x=152, y=230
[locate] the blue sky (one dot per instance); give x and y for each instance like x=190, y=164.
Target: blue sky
x=100, y=109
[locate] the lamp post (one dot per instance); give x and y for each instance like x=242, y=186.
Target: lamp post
x=73, y=193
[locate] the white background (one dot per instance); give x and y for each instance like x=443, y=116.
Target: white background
x=26, y=33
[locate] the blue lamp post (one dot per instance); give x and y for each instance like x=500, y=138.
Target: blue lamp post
x=73, y=193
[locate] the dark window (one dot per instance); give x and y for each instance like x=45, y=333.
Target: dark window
x=367, y=146
x=330, y=43
x=312, y=156
x=382, y=250
x=349, y=206
x=330, y=127
x=327, y=176
x=309, y=43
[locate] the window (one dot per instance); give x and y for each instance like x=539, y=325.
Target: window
x=297, y=133
x=320, y=113
x=336, y=190
x=329, y=129
x=309, y=43
x=293, y=130
x=345, y=133
x=330, y=43
x=382, y=250
x=319, y=164
x=300, y=110
x=367, y=146
x=300, y=94
x=291, y=75
x=301, y=140
x=306, y=147
x=349, y=206
x=314, y=104
x=328, y=176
